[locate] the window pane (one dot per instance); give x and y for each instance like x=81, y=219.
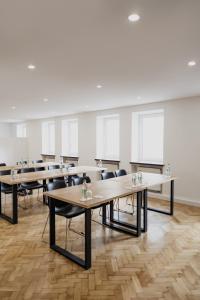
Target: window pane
x=48, y=137
x=148, y=136
x=108, y=137
x=21, y=130
x=152, y=138
x=70, y=137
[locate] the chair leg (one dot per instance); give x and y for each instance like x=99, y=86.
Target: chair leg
x=5, y=204
x=38, y=195
x=45, y=226
x=67, y=233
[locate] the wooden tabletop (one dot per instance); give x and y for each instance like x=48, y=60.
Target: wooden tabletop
x=104, y=191
x=31, y=165
x=47, y=174
x=148, y=179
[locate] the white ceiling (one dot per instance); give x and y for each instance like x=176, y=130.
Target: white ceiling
x=77, y=44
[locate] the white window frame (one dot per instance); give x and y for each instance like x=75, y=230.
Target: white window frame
x=21, y=130
x=67, y=147
x=48, y=146
x=137, y=135
x=101, y=140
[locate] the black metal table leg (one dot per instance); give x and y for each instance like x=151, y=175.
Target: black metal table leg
x=44, y=190
x=104, y=214
x=111, y=210
x=125, y=227
x=145, y=211
x=86, y=263
x=0, y=200
x=14, y=218
x=171, y=208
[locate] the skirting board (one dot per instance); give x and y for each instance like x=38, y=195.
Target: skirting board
x=177, y=199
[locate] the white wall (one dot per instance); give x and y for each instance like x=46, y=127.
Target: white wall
x=181, y=149
x=12, y=149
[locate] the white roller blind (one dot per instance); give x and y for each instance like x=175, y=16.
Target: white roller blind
x=48, y=137
x=148, y=136
x=21, y=131
x=70, y=137
x=107, y=135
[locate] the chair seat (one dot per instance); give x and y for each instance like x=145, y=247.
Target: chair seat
x=6, y=189
x=61, y=209
x=32, y=185
x=59, y=179
x=71, y=211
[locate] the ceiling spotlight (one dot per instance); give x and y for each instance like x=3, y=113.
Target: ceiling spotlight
x=13, y=107
x=134, y=18
x=192, y=63
x=31, y=67
x=99, y=86
x=45, y=100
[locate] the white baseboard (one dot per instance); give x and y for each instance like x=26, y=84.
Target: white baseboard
x=177, y=199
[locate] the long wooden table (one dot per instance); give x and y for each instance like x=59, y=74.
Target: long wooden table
x=14, y=181
x=29, y=165
x=104, y=192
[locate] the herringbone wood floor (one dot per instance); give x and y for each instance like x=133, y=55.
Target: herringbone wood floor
x=163, y=264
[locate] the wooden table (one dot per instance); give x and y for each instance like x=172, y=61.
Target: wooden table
x=104, y=192
x=31, y=165
x=14, y=181
x=149, y=181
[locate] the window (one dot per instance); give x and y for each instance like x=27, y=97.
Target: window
x=21, y=130
x=148, y=136
x=70, y=137
x=48, y=137
x=107, y=135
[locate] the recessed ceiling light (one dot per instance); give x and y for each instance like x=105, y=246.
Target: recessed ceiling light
x=13, y=107
x=99, y=86
x=192, y=63
x=31, y=67
x=139, y=97
x=45, y=100
x=134, y=18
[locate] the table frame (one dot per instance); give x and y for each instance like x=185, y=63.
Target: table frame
x=86, y=263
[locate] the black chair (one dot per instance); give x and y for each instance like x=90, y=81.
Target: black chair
x=38, y=169
x=121, y=172
x=79, y=180
x=30, y=186
x=37, y=161
x=65, y=210
x=107, y=175
x=2, y=164
x=55, y=167
x=7, y=189
x=71, y=177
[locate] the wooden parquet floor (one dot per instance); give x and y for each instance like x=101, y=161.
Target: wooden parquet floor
x=163, y=264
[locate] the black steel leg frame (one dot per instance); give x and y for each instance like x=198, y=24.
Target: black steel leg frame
x=14, y=218
x=85, y=263
x=123, y=226
x=171, y=208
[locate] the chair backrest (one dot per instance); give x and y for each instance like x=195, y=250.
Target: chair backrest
x=5, y=172
x=70, y=165
x=55, y=185
x=54, y=167
x=80, y=180
x=26, y=170
x=39, y=169
x=107, y=175
x=38, y=161
x=121, y=172
x=2, y=164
